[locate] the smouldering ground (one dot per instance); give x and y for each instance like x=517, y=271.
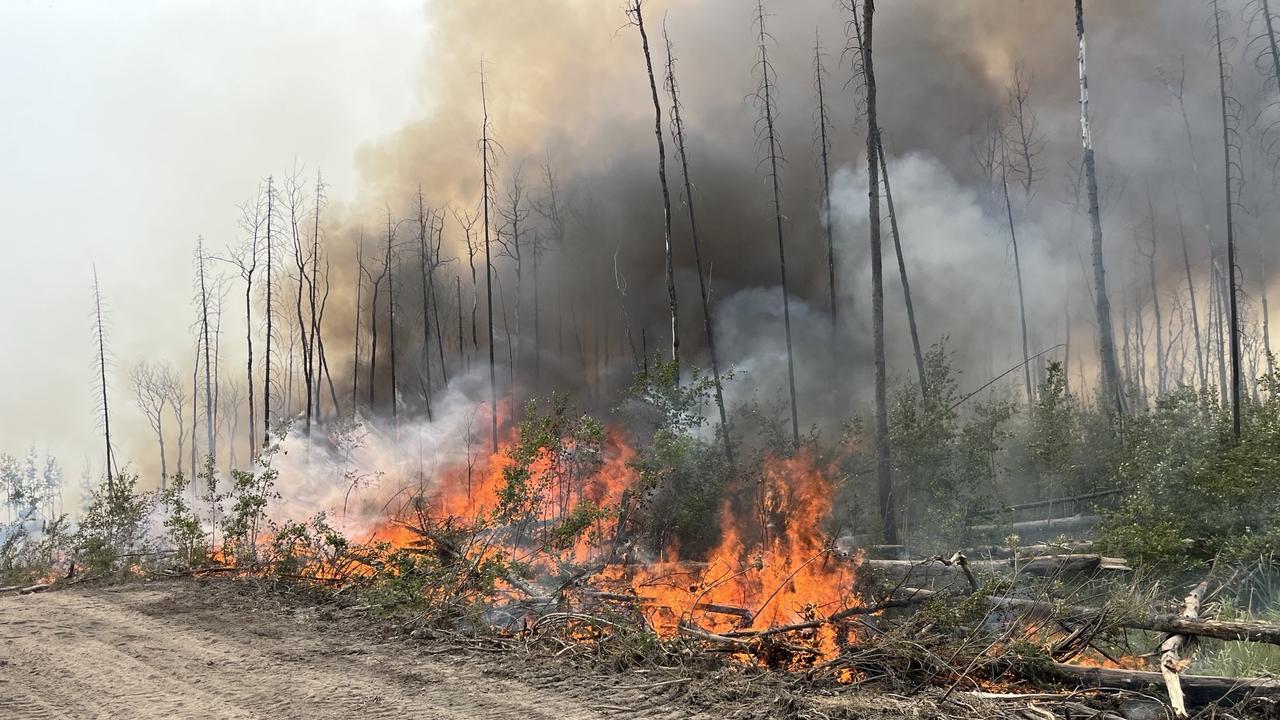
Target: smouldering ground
x=221, y=649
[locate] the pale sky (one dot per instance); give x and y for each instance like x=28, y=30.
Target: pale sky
x=130, y=127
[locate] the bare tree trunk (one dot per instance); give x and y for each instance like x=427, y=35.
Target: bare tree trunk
x=424, y=262
x=101, y=339
x=902, y=269
x=1162, y=372
x=355, y=346
x=266, y=357
x=1106, y=343
x=204, y=335
x=1017, y=269
x=488, y=266
x=765, y=98
x=888, y=514
x=635, y=12
x=1228, y=161
x=388, y=271
x=825, y=146
x=1201, y=372
x=677, y=133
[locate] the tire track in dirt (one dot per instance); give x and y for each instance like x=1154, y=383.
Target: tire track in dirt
x=151, y=651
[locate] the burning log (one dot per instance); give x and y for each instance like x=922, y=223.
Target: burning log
x=741, y=613
x=1170, y=650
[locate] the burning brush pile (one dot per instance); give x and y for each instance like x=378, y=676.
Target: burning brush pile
x=567, y=535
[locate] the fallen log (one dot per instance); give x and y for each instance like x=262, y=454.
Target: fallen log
x=1155, y=622
x=741, y=613
x=1025, y=552
x=1072, y=524
x=1199, y=689
x=1171, y=664
x=1051, y=502
x=1041, y=566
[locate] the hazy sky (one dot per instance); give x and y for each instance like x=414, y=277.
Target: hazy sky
x=130, y=127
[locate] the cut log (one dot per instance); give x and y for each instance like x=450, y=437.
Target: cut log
x=1171, y=651
x=1198, y=689
x=1041, y=566
x=1155, y=622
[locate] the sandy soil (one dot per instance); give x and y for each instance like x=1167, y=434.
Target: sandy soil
x=224, y=649
x=181, y=649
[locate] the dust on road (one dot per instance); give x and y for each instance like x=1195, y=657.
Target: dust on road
x=181, y=649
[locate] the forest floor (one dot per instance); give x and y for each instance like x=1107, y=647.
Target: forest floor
x=181, y=648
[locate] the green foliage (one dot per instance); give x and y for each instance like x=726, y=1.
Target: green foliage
x=248, y=494
x=553, y=455
x=114, y=525
x=1191, y=493
x=310, y=549
x=944, y=465
x=683, y=471
x=185, y=530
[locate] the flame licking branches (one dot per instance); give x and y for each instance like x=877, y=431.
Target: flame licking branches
x=773, y=565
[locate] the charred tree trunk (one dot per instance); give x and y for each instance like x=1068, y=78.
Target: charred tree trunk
x=355, y=346
x=765, y=99
x=1162, y=372
x=1111, y=392
x=388, y=271
x=1229, y=165
x=204, y=340
x=101, y=342
x=424, y=262
x=677, y=133
x=888, y=515
x=636, y=12
x=1201, y=372
x=825, y=147
x=266, y=355
x=1017, y=269
x=902, y=269
x=488, y=266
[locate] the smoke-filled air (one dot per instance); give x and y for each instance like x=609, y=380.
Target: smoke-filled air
x=792, y=358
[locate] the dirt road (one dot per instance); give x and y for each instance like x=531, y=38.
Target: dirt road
x=181, y=649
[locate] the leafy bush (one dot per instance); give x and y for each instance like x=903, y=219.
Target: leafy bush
x=115, y=525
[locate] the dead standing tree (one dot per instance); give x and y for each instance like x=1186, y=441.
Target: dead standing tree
x=821, y=113
x=269, y=309
x=1112, y=394
x=888, y=515
x=245, y=258
x=104, y=410
x=426, y=234
x=1231, y=178
x=767, y=138
x=908, y=305
x=678, y=136
x=204, y=292
x=486, y=181
x=152, y=396
x=635, y=11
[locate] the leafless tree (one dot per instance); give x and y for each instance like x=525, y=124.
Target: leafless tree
x=821, y=113
x=1161, y=370
x=884, y=477
x=487, y=185
x=355, y=345
x=635, y=12
x=1231, y=158
x=104, y=410
x=269, y=241
x=1106, y=342
x=914, y=330
x=678, y=136
x=772, y=157
x=150, y=393
x=204, y=302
